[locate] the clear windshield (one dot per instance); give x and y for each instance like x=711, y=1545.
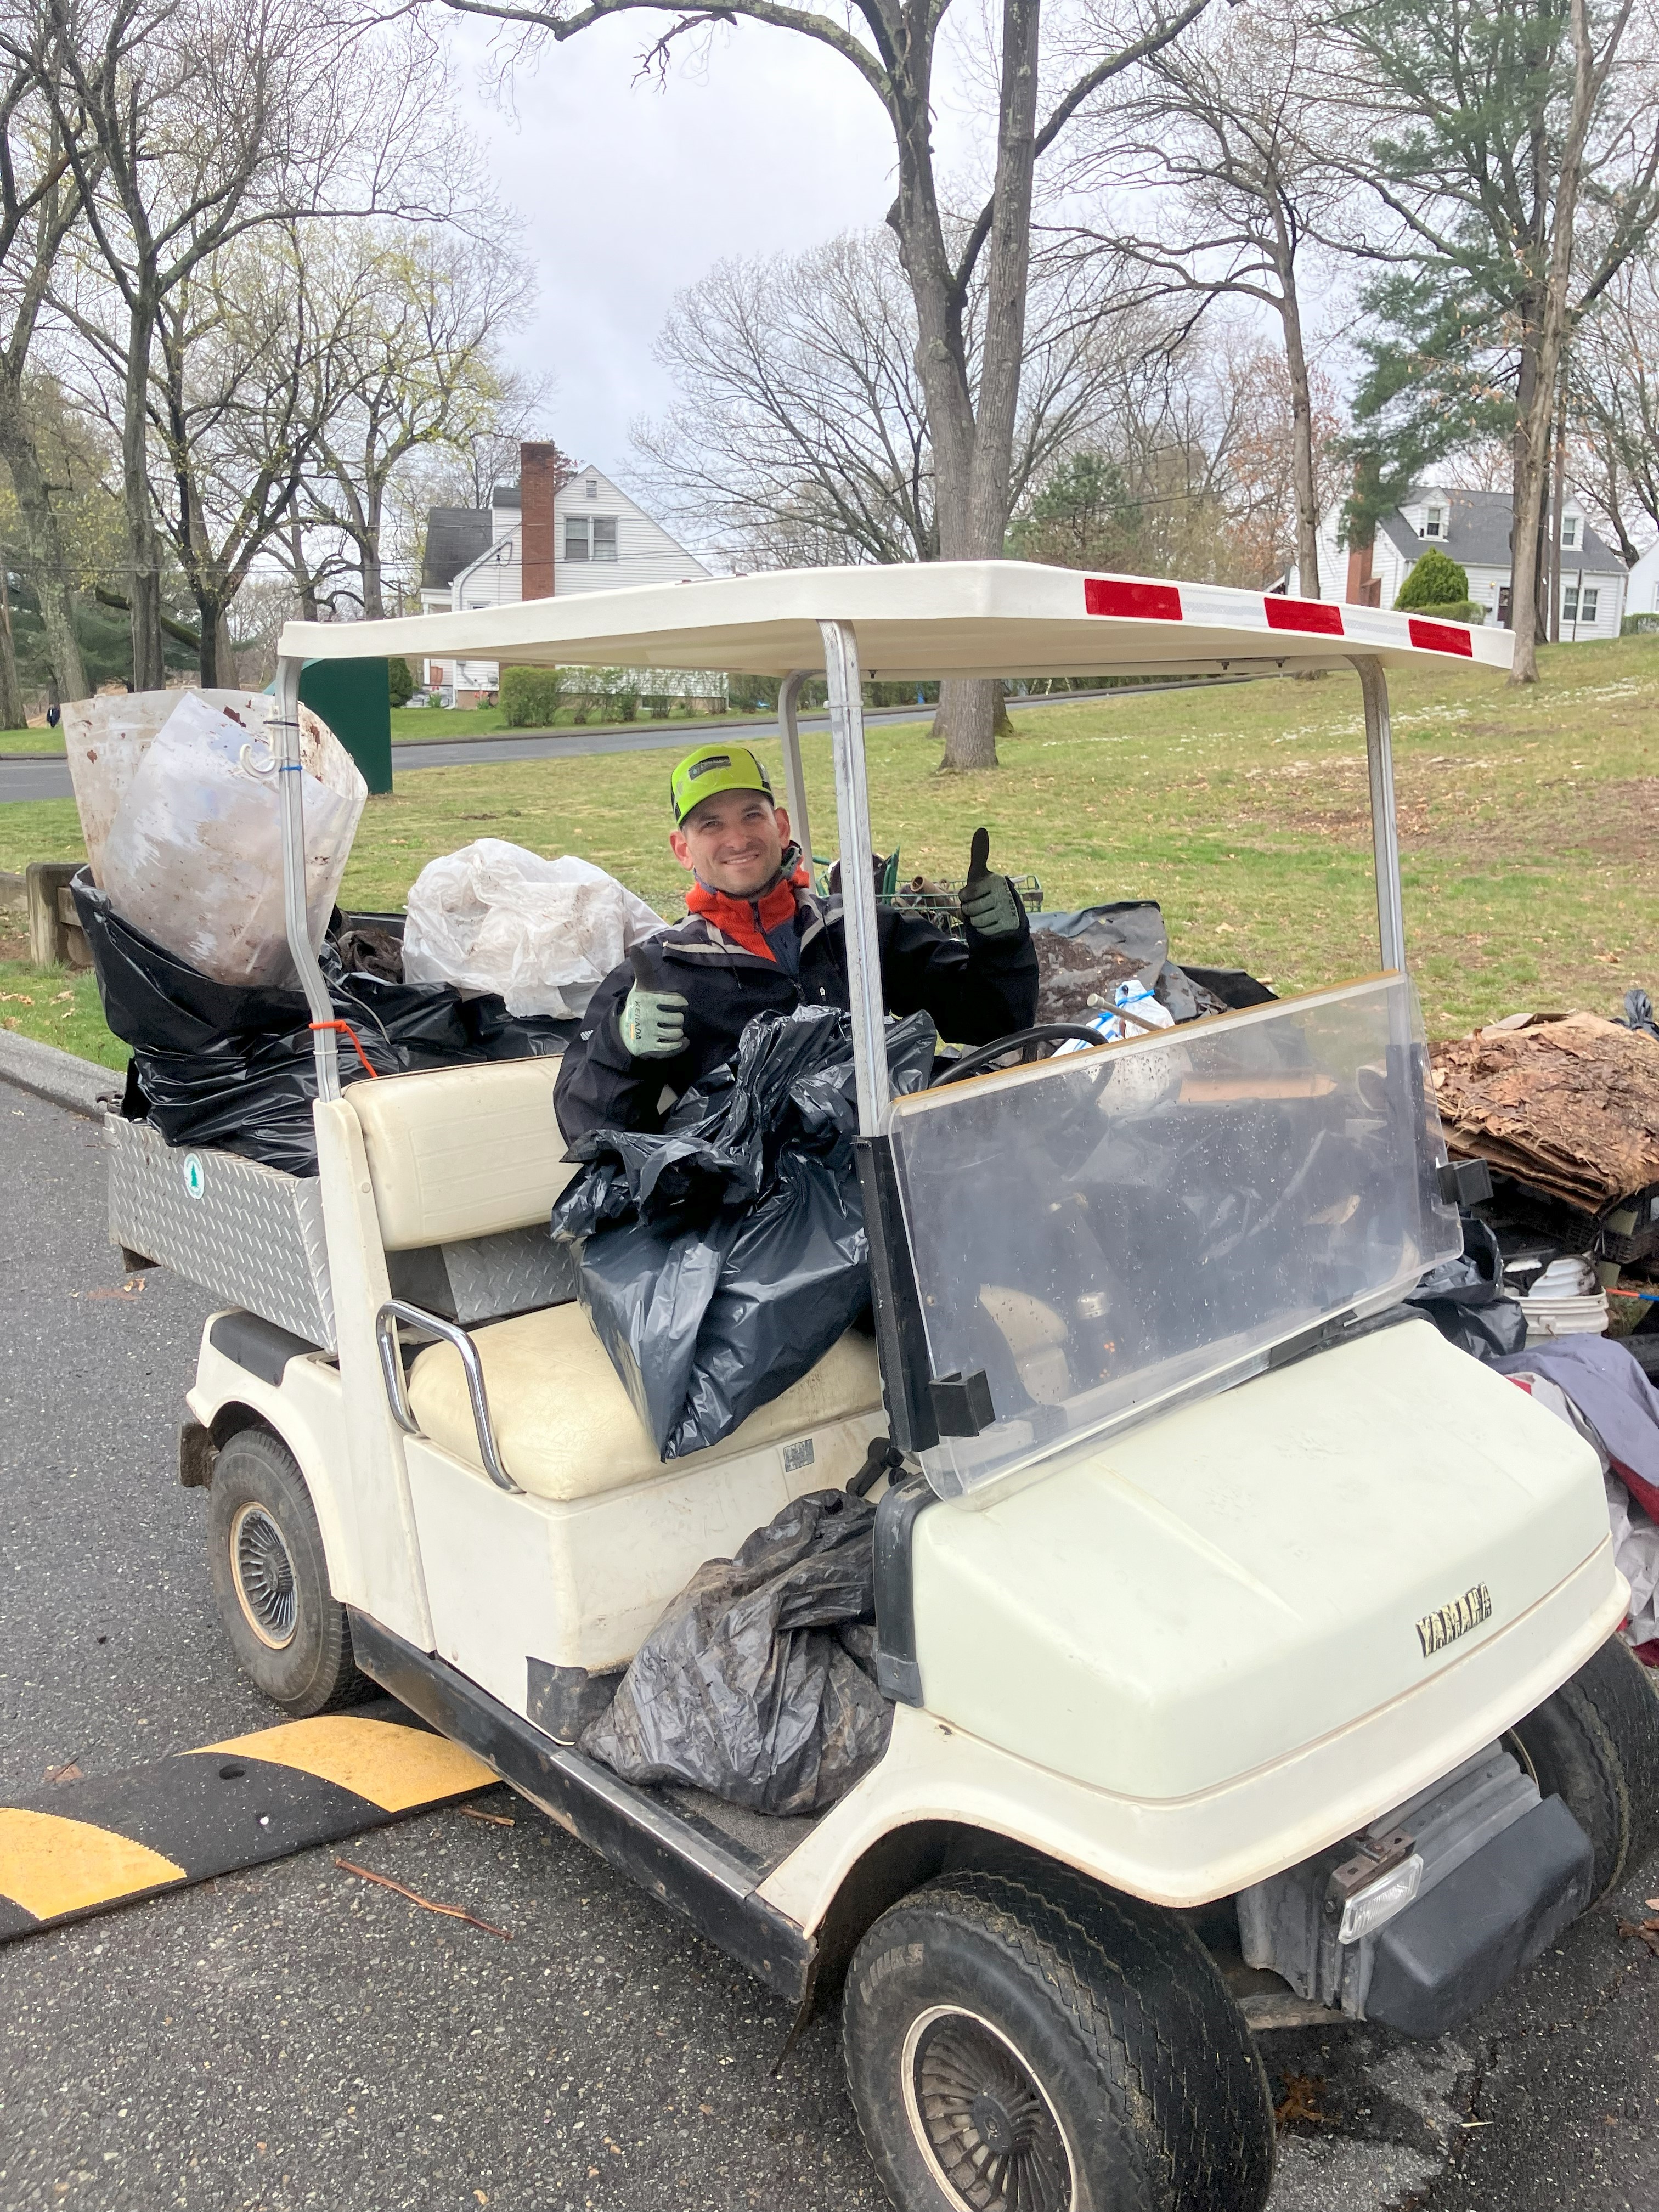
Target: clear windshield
x=1104, y=1233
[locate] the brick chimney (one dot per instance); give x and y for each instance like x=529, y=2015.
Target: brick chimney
x=542, y=470
x=1365, y=589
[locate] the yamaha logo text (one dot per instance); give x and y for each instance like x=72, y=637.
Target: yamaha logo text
x=1448, y=1622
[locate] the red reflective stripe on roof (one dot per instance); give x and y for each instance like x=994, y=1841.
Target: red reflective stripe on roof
x=1105, y=595
x=1442, y=637
x=1322, y=615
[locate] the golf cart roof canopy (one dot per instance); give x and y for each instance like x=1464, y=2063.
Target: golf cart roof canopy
x=943, y=618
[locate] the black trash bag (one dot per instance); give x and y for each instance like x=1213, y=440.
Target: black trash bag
x=231, y=1067
x=1639, y=1013
x=753, y=1685
x=722, y=1257
x=1082, y=958
x=1466, y=1300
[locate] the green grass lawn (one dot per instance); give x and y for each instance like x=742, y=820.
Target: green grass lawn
x=31, y=741
x=417, y=725
x=1529, y=824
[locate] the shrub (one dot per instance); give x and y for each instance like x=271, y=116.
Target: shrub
x=1436, y=581
x=1457, y=610
x=400, y=682
x=531, y=697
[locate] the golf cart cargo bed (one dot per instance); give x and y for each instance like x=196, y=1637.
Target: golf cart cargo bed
x=249, y=1234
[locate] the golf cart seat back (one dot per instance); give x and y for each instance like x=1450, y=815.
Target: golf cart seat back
x=462, y=1152
x=565, y=1428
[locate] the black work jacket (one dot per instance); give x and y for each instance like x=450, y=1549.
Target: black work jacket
x=975, y=991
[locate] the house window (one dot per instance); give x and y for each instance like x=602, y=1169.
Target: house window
x=1569, y=531
x=593, y=487
x=1434, y=522
x=590, y=537
x=1578, y=606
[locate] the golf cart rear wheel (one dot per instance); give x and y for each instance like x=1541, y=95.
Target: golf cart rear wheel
x=270, y=1579
x=1034, y=2044
x=1595, y=1745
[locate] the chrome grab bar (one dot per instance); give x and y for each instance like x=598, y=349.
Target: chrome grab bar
x=392, y=1370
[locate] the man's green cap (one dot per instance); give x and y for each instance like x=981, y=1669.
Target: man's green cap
x=711, y=769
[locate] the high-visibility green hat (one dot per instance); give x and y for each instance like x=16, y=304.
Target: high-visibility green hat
x=711, y=769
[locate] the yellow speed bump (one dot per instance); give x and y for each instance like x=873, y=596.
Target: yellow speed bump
x=103, y=1840
x=51, y=1866
x=395, y=1768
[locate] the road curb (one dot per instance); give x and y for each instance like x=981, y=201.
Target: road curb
x=61, y=1076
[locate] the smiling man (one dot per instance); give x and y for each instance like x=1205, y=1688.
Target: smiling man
x=756, y=939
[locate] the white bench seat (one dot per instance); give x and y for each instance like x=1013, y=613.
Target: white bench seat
x=564, y=1426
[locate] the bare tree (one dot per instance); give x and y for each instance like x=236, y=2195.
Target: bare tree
x=412, y=327
x=1220, y=141
x=39, y=206
x=1612, y=404
x=972, y=404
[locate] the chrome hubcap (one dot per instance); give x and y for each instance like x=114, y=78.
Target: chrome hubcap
x=263, y=1575
x=987, y=2129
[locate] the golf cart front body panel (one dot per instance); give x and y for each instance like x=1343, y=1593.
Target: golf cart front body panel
x=1251, y=1574
x=1190, y=1850
x=1154, y=1220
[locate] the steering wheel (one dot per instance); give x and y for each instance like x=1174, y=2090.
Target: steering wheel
x=1027, y=1043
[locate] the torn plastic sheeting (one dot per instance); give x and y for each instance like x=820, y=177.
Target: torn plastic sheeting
x=215, y=1064
x=1083, y=957
x=721, y=1259
x=751, y=1686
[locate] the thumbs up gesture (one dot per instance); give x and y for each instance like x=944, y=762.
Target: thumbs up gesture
x=990, y=905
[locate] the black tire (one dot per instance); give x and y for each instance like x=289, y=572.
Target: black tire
x=1595, y=1745
x=1032, y=2038
x=270, y=1577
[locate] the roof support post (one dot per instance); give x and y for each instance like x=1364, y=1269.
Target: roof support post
x=794, y=775
x=858, y=885
x=285, y=728
x=1385, y=833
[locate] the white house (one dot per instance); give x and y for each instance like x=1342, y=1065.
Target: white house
x=1474, y=527
x=555, y=531
x=1642, y=586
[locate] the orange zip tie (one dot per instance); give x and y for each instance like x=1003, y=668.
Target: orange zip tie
x=368, y=1065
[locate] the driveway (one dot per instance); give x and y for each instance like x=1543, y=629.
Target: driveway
x=296, y=2037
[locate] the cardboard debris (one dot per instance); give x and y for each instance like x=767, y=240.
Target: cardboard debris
x=1570, y=1108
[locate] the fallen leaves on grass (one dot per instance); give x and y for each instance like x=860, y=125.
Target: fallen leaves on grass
x=427, y=1904
x=1301, y=2101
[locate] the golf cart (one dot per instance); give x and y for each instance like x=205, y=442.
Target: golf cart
x=1252, y=1649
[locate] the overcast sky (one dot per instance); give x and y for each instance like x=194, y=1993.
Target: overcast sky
x=629, y=191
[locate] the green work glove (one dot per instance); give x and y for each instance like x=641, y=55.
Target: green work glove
x=653, y=1021
x=989, y=906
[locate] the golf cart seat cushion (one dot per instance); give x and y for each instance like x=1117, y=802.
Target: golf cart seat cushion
x=565, y=1426
x=462, y=1152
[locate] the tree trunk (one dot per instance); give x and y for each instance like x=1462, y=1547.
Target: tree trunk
x=143, y=553
x=973, y=448
x=304, y=582
x=1302, y=458
x=12, y=716
x=43, y=545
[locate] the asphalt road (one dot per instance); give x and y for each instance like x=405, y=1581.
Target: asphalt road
x=50, y=779
x=294, y=2037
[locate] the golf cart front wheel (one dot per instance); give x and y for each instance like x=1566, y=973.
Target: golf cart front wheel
x=1595, y=1745
x=290, y=1635
x=1035, y=2042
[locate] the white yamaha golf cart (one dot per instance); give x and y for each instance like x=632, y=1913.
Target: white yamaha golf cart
x=1250, y=1646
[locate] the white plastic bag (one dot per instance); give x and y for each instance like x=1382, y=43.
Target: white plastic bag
x=193, y=856
x=544, y=933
